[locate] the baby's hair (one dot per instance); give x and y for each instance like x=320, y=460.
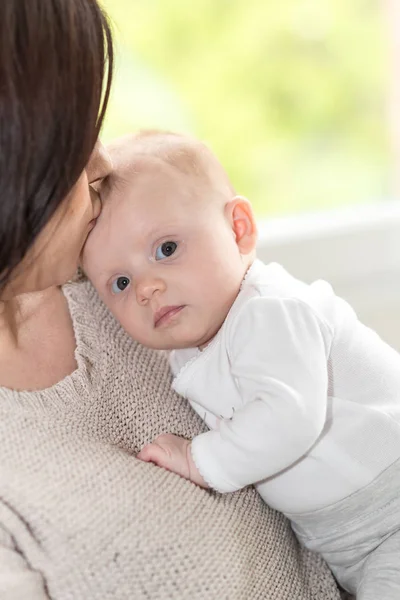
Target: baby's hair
x=182, y=152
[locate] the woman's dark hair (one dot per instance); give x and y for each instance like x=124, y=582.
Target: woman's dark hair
x=56, y=61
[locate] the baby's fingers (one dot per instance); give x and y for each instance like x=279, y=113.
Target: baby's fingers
x=153, y=453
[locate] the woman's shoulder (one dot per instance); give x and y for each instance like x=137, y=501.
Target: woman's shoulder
x=96, y=331
x=101, y=340
x=131, y=397
x=84, y=303
x=99, y=335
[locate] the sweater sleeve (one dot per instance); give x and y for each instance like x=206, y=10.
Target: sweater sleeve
x=278, y=352
x=17, y=580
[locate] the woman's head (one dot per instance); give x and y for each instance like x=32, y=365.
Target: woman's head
x=53, y=63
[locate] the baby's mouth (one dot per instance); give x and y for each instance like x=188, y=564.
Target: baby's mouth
x=165, y=314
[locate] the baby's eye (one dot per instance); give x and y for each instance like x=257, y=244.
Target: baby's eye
x=165, y=250
x=120, y=284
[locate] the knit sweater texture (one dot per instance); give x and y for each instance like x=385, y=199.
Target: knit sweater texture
x=82, y=519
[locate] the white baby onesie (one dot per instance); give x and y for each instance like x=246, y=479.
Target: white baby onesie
x=301, y=398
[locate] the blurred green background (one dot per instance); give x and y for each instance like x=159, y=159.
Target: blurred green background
x=291, y=95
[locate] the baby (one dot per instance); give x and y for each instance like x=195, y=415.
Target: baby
x=300, y=398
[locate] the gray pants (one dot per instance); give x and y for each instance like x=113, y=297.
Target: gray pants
x=359, y=537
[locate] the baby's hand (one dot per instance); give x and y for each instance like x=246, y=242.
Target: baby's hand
x=173, y=453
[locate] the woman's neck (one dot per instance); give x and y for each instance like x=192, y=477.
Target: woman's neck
x=37, y=342
x=16, y=312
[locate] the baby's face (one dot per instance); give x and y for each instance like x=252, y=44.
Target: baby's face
x=164, y=259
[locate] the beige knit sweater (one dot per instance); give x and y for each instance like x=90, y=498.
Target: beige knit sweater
x=82, y=519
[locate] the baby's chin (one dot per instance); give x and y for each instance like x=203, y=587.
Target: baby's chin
x=174, y=344
x=167, y=345
x=164, y=342
x=182, y=332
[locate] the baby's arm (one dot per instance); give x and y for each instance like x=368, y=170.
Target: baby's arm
x=278, y=351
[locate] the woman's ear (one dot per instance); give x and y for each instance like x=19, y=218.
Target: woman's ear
x=241, y=216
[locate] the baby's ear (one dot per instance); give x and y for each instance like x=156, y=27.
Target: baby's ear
x=240, y=214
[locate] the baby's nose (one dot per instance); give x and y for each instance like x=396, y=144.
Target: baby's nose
x=148, y=288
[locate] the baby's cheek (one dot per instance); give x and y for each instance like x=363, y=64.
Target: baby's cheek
x=130, y=320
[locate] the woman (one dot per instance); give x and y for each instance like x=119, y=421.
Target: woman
x=80, y=517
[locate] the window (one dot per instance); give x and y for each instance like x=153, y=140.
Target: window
x=293, y=97
x=300, y=100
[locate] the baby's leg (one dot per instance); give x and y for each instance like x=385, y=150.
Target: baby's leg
x=381, y=572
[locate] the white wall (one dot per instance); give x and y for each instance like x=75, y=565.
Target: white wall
x=357, y=250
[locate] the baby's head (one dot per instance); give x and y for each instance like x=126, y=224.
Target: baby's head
x=173, y=242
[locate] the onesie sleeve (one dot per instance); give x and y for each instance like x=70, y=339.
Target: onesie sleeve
x=278, y=350
x=17, y=579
